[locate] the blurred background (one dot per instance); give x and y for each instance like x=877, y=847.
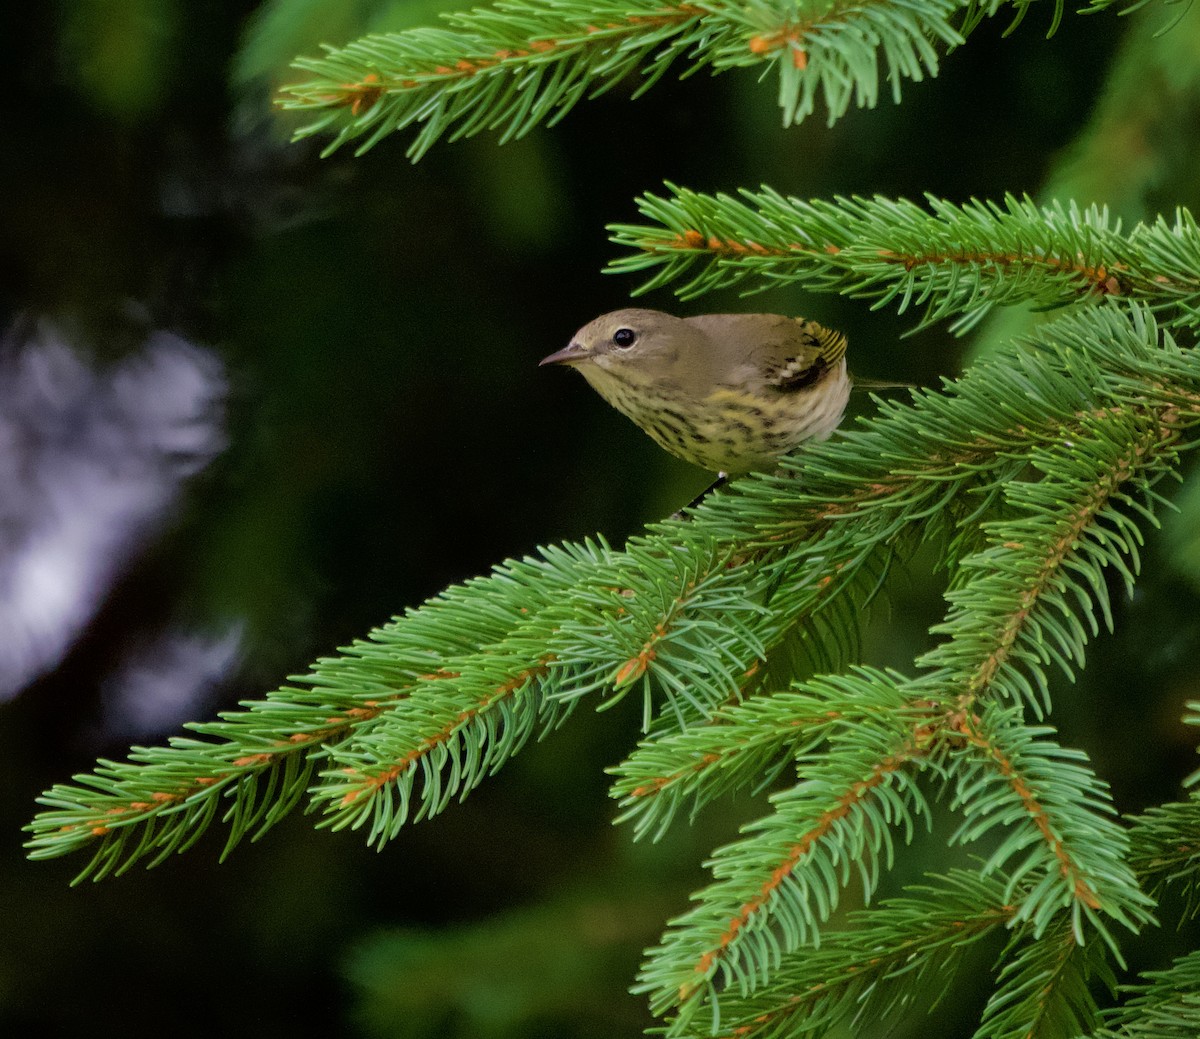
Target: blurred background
x=253, y=403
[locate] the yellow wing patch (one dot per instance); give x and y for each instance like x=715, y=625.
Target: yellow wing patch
x=831, y=343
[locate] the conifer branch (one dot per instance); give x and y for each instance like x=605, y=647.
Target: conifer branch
x=1064, y=529
x=511, y=66
x=1044, y=991
x=262, y=759
x=1165, y=1006
x=795, y=544
x=1060, y=801
x=744, y=745
x=1067, y=838
x=451, y=751
x=875, y=965
x=1164, y=845
x=774, y=888
x=956, y=262
x=1049, y=455
x=163, y=798
x=520, y=63
x=886, y=956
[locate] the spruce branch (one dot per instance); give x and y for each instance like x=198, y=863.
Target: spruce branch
x=264, y=757
x=1057, y=817
x=508, y=67
x=875, y=965
x=1063, y=533
x=1165, y=849
x=454, y=741
x=774, y=888
x=779, y=549
x=769, y=896
x=1044, y=991
x=261, y=759
x=520, y=63
x=957, y=262
x=431, y=720
x=162, y=799
x=659, y=618
x=1165, y=1006
x=1061, y=852
x=1035, y=472
x=745, y=745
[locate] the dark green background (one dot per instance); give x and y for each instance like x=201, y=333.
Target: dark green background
x=391, y=433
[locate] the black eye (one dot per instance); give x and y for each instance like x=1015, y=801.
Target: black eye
x=624, y=338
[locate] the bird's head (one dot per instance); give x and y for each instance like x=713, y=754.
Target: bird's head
x=630, y=345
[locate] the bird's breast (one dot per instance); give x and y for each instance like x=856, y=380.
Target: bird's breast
x=730, y=429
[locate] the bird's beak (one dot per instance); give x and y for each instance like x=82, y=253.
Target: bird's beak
x=572, y=354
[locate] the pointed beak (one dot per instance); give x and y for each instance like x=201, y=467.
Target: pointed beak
x=572, y=354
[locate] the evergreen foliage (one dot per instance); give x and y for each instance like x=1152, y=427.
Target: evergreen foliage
x=957, y=262
x=1164, y=1006
x=1035, y=476
x=520, y=63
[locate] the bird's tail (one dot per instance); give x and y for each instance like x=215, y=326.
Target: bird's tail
x=880, y=384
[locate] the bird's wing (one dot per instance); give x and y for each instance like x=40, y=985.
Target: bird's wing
x=812, y=351
x=770, y=349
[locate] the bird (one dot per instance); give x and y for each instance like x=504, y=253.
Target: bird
x=731, y=393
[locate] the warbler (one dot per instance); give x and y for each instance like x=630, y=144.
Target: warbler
x=728, y=392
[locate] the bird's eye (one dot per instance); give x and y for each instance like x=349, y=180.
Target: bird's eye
x=624, y=338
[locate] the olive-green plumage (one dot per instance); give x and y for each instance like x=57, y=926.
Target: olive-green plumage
x=728, y=392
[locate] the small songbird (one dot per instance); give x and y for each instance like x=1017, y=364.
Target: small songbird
x=728, y=392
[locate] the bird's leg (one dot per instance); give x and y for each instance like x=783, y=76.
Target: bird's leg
x=721, y=480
